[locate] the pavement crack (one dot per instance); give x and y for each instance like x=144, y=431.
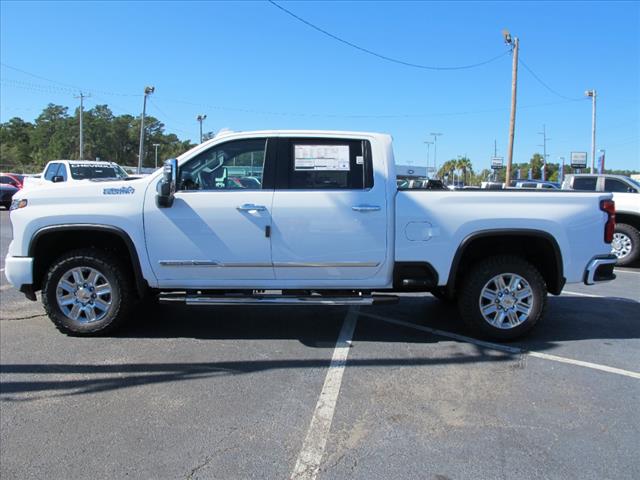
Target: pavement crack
x=28, y=317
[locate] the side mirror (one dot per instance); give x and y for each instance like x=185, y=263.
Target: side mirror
x=57, y=179
x=167, y=186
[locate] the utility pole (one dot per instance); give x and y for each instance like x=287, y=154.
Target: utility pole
x=593, y=94
x=435, y=149
x=495, y=148
x=515, y=45
x=81, y=97
x=427, y=143
x=156, y=145
x=201, y=118
x=147, y=91
x=544, y=151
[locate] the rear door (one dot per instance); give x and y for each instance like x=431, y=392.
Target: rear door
x=329, y=218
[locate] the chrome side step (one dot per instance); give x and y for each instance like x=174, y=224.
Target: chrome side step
x=209, y=300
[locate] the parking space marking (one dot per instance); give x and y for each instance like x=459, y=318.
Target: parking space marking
x=590, y=295
x=5, y=287
x=617, y=270
x=505, y=348
x=308, y=462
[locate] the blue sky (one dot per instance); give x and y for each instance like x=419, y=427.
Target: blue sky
x=248, y=66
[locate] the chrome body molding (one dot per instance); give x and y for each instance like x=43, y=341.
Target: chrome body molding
x=213, y=263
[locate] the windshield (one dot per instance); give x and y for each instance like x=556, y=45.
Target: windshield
x=634, y=181
x=85, y=171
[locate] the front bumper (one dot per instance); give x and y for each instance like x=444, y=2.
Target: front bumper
x=19, y=271
x=600, y=269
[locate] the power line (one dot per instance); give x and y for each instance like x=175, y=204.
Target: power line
x=541, y=82
x=74, y=87
x=379, y=55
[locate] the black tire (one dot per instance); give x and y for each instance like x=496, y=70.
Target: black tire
x=480, y=275
x=120, y=298
x=629, y=234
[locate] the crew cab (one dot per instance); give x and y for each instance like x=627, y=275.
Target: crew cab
x=626, y=195
x=72, y=171
x=319, y=222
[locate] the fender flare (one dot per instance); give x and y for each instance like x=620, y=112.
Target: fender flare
x=141, y=284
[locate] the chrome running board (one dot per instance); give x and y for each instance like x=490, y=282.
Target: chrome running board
x=210, y=300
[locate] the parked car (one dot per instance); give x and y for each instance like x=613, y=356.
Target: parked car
x=535, y=184
x=626, y=195
x=6, y=194
x=12, y=179
x=73, y=171
x=326, y=226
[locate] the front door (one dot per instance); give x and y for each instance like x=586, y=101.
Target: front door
x=216, y=234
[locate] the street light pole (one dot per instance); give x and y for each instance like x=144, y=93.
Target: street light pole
x=544, y=151
x=200, y=119
x=156, y=145
x=428, y=144
x=147, y=91
x=593, y=94
x=435, y=149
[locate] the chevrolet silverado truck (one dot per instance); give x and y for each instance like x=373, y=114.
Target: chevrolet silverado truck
x=73, y=171
x=301, y=218
x=626, y=195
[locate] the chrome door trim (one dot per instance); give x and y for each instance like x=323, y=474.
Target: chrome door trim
x=212, y=263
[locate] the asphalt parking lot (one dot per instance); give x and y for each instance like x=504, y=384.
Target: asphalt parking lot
x=376, y=393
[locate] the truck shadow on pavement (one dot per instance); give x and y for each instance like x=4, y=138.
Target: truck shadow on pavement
x=568, y=319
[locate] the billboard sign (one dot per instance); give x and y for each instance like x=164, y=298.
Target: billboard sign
x=497, y=163
x=578, y=159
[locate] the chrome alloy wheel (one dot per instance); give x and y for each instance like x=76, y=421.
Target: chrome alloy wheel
x=84, y=294
x=506, y=301
x=621, y=245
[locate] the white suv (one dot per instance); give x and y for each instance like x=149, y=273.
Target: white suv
x=626, y=194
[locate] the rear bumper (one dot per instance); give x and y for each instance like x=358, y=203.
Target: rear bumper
x=19, y=271
x=600, y=269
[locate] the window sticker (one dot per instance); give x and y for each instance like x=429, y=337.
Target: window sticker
x=321, y=158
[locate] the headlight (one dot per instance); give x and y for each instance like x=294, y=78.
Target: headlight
x=16, y=204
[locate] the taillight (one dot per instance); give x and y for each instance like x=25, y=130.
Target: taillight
x=609, y=206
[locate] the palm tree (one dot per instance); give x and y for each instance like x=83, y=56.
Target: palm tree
x=464, y=164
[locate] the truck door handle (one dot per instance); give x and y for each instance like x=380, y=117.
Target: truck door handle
x=365, y=208
x=250, y=207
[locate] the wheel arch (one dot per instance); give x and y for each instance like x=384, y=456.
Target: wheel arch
x=48, y=243
x=501, y=241
x=628, y=218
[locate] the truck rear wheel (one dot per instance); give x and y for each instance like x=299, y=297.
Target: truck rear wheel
x=625, y=244
x=87, y=292
x=502, y=298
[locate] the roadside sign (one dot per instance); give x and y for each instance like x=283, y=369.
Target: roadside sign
x=497, y=163
x=578, y=159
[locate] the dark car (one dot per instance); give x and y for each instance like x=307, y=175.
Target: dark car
x=6, y=194
x=12, y=179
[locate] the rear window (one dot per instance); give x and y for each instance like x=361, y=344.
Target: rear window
x=85, y=171
x=328, y=164
x=585, y=183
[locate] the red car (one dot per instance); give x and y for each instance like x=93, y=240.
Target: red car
x=12, y=179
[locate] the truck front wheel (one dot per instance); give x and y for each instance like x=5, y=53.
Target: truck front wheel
x=502, y=298
x=87, y=292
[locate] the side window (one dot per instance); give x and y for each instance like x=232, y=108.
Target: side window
x=235, y=165
x=613, y=185
x=585, y=183
x=325, y=164
x=62, y=172
x=51, y=171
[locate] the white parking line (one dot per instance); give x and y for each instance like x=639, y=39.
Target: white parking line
x=309, y=458
x=4, y=287
x=590, y=295
x=506, y=348
x=617, y=270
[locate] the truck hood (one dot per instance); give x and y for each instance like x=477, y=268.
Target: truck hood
x=96, y=192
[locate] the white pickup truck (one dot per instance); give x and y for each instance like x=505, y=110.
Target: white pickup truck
x=301, y=218
x=72, y=171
